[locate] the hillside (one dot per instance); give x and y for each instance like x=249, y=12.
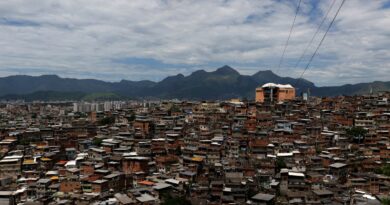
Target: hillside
x=223, y=83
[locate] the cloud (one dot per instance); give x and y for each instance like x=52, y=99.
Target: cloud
x=120, y=39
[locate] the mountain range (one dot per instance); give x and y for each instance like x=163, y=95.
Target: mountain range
x=223, y=83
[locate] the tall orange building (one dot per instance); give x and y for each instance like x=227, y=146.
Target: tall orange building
x=272, y=92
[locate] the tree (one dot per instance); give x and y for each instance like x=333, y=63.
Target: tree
x=24, y=142
x=280, y=164
x=177, y=201
x=97, y=141
x=81, y=114
x=385, y=201
x=385, y=170
x=357, y=134
x=131, y=118
x=318, y=150
x=169, y=199
x=174, y=108
x=178, y=150
x=107, y=120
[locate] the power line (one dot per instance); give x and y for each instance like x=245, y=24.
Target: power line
x=319, y=45
x=289, y=35
x=315, y=35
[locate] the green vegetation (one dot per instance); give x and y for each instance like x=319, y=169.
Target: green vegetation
x=107, y=121
x=385, y=170
x=178, y=151
x=81, y=115
x=385, y=201
x=173, y=200
x=357, y=134
x=280, y=164
x=225, y=83
x=24, y=142
x=131, y=117
x=97, y=141
x=174, y=108
x=318, y=150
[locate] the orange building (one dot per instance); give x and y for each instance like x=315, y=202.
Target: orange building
x=272, y=92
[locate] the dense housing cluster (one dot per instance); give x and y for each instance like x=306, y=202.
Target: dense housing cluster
x=301, y=151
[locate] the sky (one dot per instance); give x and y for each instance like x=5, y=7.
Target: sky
x=152, y=39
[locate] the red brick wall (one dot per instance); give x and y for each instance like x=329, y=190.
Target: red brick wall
x=70, y=186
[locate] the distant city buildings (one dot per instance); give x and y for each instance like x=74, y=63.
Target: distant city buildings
x=97, y=106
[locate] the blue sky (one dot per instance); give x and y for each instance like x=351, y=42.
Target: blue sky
x=138, y=40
